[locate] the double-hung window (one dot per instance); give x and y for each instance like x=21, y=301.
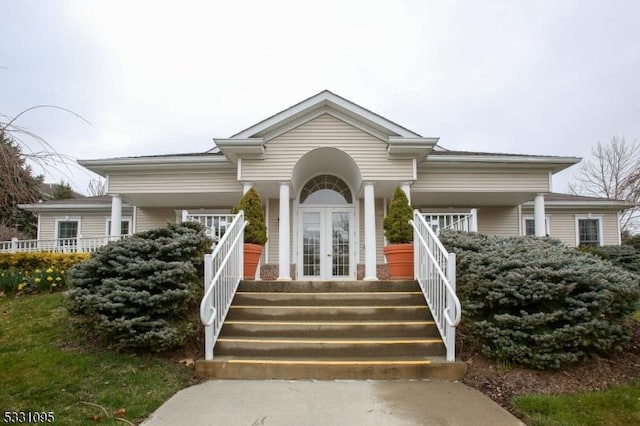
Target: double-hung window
x=589, y=231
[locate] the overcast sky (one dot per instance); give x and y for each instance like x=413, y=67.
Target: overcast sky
x=153, y=77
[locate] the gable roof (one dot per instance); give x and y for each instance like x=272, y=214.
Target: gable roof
x=325, y=99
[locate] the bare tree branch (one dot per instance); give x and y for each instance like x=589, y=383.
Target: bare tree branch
x=612, y=172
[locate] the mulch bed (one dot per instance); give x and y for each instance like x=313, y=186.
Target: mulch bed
x=502, y=383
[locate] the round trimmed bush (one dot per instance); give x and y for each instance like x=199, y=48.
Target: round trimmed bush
x=536, y=302
x=134, y=294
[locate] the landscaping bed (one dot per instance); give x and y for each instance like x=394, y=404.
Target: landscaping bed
x=503, y=382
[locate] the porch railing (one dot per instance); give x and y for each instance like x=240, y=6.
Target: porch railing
x=58, y=245
x=467, y=222
x=222, y=274
x=215, y=224
x=435, y=271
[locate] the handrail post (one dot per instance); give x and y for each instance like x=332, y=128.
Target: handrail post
x=208, y=332
x=451, y=331
x=14, y=245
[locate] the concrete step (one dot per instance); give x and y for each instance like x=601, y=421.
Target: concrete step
x=329, y=330
x=329, y=313
x=328, y=347
x=329, y=286
x=380, y=368
x=329, y=298
x=342, y=329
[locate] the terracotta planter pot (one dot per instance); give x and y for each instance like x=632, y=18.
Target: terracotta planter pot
x=399, y=261
x=252, y=253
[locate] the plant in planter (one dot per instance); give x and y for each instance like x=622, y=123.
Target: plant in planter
x=255, y=234
x=399, y=234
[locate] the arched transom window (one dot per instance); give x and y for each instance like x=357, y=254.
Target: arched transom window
x=325, y=189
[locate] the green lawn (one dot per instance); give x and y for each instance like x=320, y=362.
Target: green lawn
x=616, y=406
x=42, y=371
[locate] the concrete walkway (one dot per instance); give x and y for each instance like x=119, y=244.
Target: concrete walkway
x=280, y=402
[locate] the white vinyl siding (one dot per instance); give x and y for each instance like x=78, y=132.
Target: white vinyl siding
x=501, y=221
x=216, y=178
x=284, y=151
x=433, y=178
x=273, y=227
x=150, y=218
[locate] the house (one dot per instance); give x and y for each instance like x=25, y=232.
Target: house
x=326, y=169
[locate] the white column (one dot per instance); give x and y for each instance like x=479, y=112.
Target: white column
x=539, y=216
x=369, y=233
x=246, y=186
x=116, y=215
x=405, y=186
x=473, y=221
x=283, y=234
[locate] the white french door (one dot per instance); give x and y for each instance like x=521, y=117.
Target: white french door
x=326, y=243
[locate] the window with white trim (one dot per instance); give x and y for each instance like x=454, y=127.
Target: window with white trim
x=125, y=227
x=589, y=231
x=529, y=225
x=67, y=228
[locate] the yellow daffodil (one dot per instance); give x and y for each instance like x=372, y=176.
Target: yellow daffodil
x=58, y=279
x=49, y=278
x=20, y=286
x=50, y=270
x=37, y=280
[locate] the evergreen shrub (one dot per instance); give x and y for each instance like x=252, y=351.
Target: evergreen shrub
x=396, y=225
x=135, y=293
x=256, y=230
x=626, y=257
x=536, y=302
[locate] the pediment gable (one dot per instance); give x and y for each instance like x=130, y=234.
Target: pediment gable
x=325, y=102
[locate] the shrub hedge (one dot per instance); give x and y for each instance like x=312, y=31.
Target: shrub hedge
x=28, y=262
x=134, y=294
x=536, y=302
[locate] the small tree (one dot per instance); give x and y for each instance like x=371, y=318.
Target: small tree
x=256, y=230
x=396, y=225
x=62, y=191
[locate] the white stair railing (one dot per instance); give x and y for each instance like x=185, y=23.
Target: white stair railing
x=222, y=274
x=435, y=271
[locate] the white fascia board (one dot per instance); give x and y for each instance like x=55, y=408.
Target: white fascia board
x=325, y=96
x=585, y=204
x=559, y=163
x=46, y=207
x=102, y=165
